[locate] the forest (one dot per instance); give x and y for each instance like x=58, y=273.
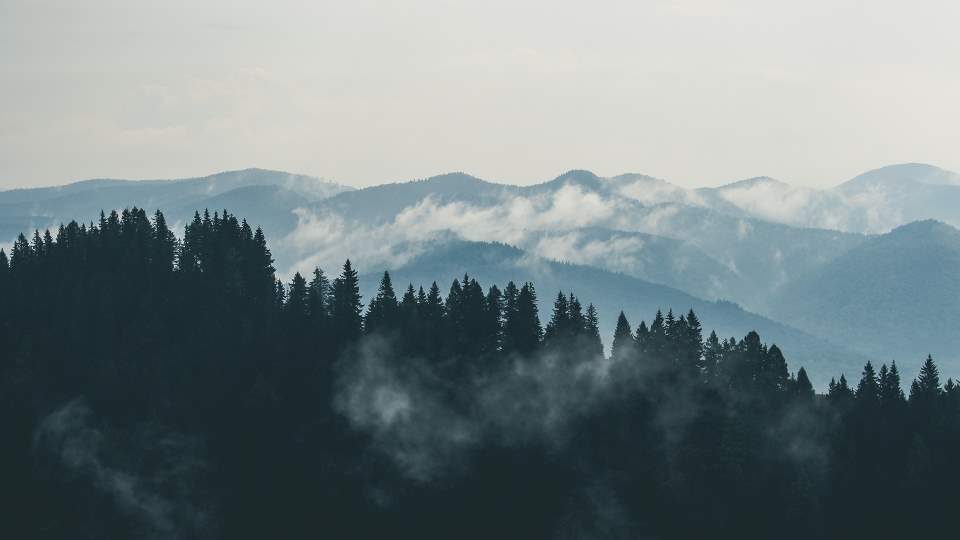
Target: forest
x=156, y=386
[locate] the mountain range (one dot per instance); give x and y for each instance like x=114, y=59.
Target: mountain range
x=834, y=276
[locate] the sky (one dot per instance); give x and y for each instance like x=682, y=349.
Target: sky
x=364, y=92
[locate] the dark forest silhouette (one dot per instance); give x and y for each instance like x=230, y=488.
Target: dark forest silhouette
x=156, y=387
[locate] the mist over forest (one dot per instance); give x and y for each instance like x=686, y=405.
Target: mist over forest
x=156, y=385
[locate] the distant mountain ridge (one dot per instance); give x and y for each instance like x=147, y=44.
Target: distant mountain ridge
x=26, y=209
x=896, y=296
x=773, y=248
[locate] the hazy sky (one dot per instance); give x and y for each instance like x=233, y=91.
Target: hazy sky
x=699, y=92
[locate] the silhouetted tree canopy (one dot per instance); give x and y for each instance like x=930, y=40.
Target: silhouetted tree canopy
x=152, y=386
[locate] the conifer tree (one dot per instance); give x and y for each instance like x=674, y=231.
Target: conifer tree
x=926, y=387
x=523, y=331
x=694, y=344
x=559, y=325
x=410, y=324
x=839, y=391
x=592, y=331
x=297, y=304
x=622, y=347
x=575, y=311
x=803, y=389
x=641, y=339
x=432, y=318
x=868, y=389
x=713, y=355
x=346, y=307
x=384, y=310
x=775, y=375
x=493, y=321
x=891, y=393
x=319, y=298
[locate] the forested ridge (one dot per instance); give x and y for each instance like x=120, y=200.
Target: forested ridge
x=159, y=387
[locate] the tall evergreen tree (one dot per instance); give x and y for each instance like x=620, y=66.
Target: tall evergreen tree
x=558, y=328
x=891, y=393
x=623, y=344
x=803, y=389
x=594, y=347
x=522, y=329
x=926, y=387
x=868, y=389
x=383, y=314
x=346, y=307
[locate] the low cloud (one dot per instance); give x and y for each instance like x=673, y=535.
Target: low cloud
x=163, y=498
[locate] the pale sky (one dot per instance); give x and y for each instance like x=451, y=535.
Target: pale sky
x=363, y=92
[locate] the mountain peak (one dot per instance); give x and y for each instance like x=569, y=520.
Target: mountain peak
x=901, y=173
x=457, y=178
x=925, y=227
x=753, y=182
x=579, y=177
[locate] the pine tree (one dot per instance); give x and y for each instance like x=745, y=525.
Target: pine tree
x=868, y=389
x=577, y=321
x=523, y=329
x=775, y=375
x=592, y=331
x=641, y=339
x=657, y=338
x=384, y=310
x=890, y=389
x=802, y=388
x=927, y=385
x=558, y=328
x=346, y=307
x=432, y=318
x=493, y=321
x=319, y=298
x=297, y=304
x=623, y=344
x=693, y=346
x=410, y=324
x=713, y=355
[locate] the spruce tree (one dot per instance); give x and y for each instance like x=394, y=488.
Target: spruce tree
x=297, y=303
x=713, y=354
x=493, y=321
x=622, y=347
x=891, y=393
x=803, y=389
x=868, y=389
x=523, y=328
x=641, y=339
x=926, y=387
x=693, y=346
x=383, y=314
x=346, y=307
x=775, y=375
x=558, y=327
x=592, y=332
x=319, y=298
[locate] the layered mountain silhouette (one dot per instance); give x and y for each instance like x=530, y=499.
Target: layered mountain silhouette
x=844, y=264
x=611, y=292
x=256, y=189
x=896, y=296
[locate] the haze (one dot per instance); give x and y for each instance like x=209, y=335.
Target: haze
x=366, y=92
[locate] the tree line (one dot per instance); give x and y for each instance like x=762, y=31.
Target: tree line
x=151, y=385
